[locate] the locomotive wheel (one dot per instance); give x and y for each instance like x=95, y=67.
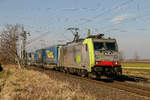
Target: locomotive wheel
x=98, y=77
x=94, y=75
x=91, y=76
x=67, y=70
x=83, y=73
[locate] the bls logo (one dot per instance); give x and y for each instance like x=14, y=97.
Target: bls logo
x=49, y=54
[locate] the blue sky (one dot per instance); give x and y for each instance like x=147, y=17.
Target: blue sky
x=126, y=20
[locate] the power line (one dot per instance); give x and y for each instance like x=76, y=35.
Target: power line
x=38, y=37
x=107, y=11
x=131, y=19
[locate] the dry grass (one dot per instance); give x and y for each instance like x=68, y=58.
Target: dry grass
x=137, y=72
x=136, y=69
x=134, y=64
x=31, y=85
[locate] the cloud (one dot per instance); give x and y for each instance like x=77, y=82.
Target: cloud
x=120, y=18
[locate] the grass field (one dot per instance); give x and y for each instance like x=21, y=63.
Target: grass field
x=134, y=64
x=136, y=69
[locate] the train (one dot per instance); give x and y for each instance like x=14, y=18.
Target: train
x=93, y=55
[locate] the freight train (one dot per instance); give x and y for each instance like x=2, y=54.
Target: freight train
x=94, y=55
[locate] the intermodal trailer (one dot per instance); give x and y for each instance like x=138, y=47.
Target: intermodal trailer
x=51, y=55
x=40, y=56
x=32, y=57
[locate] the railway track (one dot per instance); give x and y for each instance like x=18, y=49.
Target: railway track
x=133, y=78
x=132, y=88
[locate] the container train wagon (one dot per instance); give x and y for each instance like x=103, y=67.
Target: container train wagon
x=32, y=58
x=93, y=55
x=45, y=57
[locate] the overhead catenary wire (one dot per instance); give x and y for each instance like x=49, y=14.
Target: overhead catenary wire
x=38, y=37
x=107, y=11
x=128, y=19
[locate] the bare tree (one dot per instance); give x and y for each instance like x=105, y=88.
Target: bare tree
x=8, y=42
x=4, y=59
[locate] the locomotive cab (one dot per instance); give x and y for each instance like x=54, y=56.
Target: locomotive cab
x=106, y=57
x=103, y=56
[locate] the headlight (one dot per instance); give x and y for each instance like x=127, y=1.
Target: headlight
x=116, y=62
x=97, y=62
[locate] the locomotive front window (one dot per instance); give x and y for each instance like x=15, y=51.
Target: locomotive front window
x=111, y=46
x=99, y=46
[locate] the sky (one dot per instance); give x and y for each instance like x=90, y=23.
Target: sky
x=48, y=20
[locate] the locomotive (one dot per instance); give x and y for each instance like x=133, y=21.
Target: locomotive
x=94, y=55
